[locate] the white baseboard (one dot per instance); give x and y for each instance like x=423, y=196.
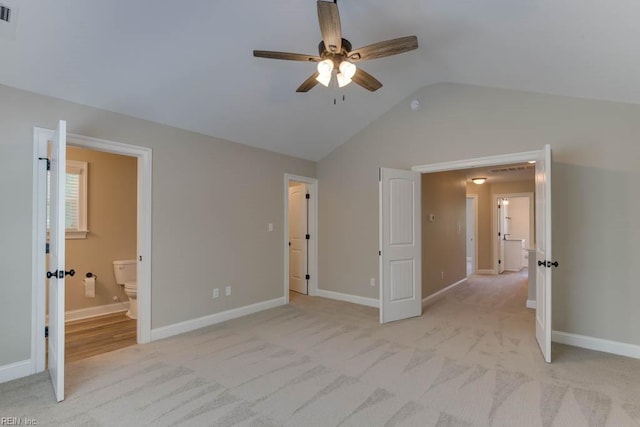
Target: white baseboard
x=598, y=344
x=15, y=370
x=531, y=303
x=99, y=310
x=89, y=312
x=486, y=272
x=355, y=299
x=441, y=293
x=212, y=319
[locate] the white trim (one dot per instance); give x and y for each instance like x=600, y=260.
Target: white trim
x=497, y=160
x=486, y=272
x=354, y=299
x=597, y=344
x=212, y=319
x=312, y=267
x=144, y=191
x=15, y=370
x=427, y=301
x=531, y=303
x=99, y=310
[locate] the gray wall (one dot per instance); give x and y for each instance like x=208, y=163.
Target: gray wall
x=596, y=197
x=212, y=201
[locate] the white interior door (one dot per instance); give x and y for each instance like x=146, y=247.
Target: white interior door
x=56, y=258
x=501, y=231
x=471, y=232
x=400, y=243
x=543, y=252
x=298, y=243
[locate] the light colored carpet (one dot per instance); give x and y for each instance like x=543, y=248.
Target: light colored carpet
x=470, y=360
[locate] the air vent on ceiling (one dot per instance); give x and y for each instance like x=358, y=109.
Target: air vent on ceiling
x=5, y=14
x=513, y=169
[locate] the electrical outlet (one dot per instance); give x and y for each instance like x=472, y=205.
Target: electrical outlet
x=216, y=292
x=372, y=282
x=227, y=290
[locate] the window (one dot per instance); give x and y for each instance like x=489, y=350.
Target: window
x=75, y=200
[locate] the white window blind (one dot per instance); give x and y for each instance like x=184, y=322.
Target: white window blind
x=75, y=200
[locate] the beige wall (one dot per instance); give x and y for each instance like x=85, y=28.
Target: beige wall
x=212, y=202
x=595, y=167
x=485, y=256
x=111, y=220
x=486, y=195
x=443, y=240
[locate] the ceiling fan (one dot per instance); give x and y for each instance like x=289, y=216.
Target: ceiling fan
x=336, y=54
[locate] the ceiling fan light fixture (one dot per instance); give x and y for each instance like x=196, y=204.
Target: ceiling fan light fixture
x=343, y=80
x=348, y=69
x=478, y=180
x=324, y=79
x=325, y=67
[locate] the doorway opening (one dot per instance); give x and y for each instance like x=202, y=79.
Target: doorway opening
x=300, y=235
x=139, y=251
x=542, y=187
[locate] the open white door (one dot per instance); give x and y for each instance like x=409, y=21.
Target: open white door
x=400, y=243
x=543, y=252
x=298, y=242
x=56, y=258
x=501, y=232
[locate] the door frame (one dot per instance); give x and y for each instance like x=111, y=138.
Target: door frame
x=41, y=137
x=312, y=266
x=494, y=221
x=475, y=231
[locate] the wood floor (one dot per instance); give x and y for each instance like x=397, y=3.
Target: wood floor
x=90, y=337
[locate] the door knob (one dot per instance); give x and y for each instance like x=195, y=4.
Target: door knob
x=555, y=264
x=71, y=272
x=542, y=263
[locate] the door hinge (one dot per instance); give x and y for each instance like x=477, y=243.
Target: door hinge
x=140, y=258
x=379, y=253
x=307, y=196
x=499, y=261
x=308, y=236
x=307, y=277
x=48, y=162
x=46, y=331
x=499, y=234
x=46, y=248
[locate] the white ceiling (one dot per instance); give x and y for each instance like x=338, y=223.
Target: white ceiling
x=189, y=64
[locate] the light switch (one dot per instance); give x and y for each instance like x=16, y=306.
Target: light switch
x=270, y=227
x=432, y=217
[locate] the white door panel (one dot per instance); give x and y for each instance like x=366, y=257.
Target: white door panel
x=56, y=258
x=543, y=253
x=400, y=260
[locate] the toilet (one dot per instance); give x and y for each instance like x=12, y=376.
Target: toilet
x=125, y=272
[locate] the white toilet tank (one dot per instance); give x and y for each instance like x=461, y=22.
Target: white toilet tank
x=125, y=271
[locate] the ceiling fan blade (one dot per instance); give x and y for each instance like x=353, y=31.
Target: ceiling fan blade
x=308, y=84
x=330, y=26
x=366, y=80
x=286, y=55
x=385, y=48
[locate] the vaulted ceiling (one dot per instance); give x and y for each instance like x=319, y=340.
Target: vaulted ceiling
x=189, y=64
